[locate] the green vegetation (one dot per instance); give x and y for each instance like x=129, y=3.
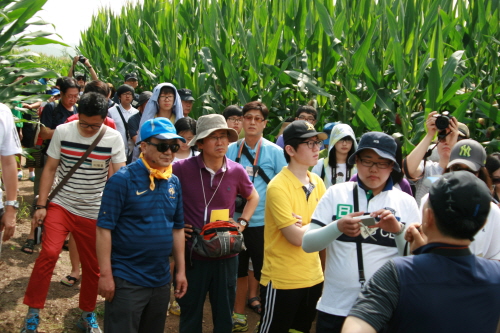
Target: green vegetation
x=14, y=21
x=378, y=65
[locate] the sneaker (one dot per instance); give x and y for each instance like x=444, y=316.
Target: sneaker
x=89, y=324
x=32, y=179
x=256, y=329
x=31, y=323
x=291, y=330
x=240, y=323
x=175, y=308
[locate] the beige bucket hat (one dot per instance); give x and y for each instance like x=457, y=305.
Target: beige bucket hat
x=206, y=125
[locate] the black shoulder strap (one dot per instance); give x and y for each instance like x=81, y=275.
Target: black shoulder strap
x=118, y=107
x=323, y=172
x=359, y=247
x=238, y=158
x=252, y=160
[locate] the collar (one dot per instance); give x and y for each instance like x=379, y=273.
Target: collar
x=295, y=181
x=444, y=249
x=202, y=165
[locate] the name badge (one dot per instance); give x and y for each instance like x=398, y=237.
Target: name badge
x=250, y=171
x=96, y=164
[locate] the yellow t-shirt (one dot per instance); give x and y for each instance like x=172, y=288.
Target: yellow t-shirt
x=287, y=266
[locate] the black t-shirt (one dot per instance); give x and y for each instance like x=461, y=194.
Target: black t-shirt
x=133, y=124
x=54, y=115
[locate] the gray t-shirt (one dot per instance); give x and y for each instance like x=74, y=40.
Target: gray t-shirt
x=431, y=173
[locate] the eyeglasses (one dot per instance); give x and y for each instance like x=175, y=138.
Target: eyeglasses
x=345, y=140
x=380, y=165
x=251, y=118
x=495, y=181
x=235, y=119
x=312, y=143
x=217, y=138
x=127, y=94
x=308, y=119
x=163, y=147
x=85, y=125
x=166, y=97
x=72, y=96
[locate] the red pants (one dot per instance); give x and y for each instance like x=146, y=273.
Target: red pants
x=58, y=223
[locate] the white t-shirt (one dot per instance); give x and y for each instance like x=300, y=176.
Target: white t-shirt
x=341, y=172
x=342, y=284
x=432, y=172
x=81, y=195
x=114, y=114
x=486, y=242
x=9, y=139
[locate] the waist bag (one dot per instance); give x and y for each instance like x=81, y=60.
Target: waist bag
x=217, y=239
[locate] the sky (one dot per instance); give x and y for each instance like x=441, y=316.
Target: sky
x=70, y=17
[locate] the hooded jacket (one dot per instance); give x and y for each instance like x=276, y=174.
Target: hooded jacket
x=152, y=108
x=340, y=131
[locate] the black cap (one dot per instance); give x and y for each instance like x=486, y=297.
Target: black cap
x=460, y=196
x=384, y=145
x=185, y=94
x=123, y=89
x=301, y=129
x=144, y=97
x=131, y=76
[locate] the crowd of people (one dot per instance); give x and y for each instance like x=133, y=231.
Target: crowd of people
x=320, y=225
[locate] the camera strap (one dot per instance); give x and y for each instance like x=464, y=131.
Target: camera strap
x=125, y=124
x=256, y=169
x=359, y=248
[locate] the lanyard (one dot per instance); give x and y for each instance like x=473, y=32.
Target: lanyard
x=213, y=195
x=256, y=159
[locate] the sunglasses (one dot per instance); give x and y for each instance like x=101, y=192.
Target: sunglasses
x=495, y=181
x=163, y=147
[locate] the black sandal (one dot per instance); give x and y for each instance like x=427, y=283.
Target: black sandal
x=29, y=244
x=257, y=307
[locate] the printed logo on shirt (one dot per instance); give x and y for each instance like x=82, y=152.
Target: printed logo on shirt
x=343, y=210
x=171, y=191
x=139, y=193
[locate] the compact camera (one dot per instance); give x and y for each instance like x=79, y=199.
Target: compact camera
x=82, y=59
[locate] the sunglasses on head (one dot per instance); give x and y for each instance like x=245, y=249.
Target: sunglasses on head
x=163, y=147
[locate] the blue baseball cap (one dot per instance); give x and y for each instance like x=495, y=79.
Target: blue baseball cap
x=328, y=130
x=384, y=145
x=160, y=128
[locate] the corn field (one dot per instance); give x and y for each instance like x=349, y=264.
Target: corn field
x=377, y=65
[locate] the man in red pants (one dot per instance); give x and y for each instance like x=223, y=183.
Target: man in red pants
x=75, y=207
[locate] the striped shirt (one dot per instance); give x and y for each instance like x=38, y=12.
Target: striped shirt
x=81, y=195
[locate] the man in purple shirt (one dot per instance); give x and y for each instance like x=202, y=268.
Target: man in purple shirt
x=210, y=182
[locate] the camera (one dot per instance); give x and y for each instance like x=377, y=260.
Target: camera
x=82, y=59
x=443, y=121
x=239, y=204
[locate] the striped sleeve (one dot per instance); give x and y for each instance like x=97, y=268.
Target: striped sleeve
x=379, y=297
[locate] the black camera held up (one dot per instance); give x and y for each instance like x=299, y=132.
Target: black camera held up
x=443, y=120
x=82, y=59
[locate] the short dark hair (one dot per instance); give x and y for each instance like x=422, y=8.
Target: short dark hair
x=185, y=124
x=295, y=144
x=167, y=89
x=492, y=164
x=93, y=104
x=232, y=110
x=98, y=87
x=67, y=83
x=307, y=109
x=255, y=105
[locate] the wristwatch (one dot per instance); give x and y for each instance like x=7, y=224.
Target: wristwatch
x=242, y=221
x=400, y=230
x=13, y=203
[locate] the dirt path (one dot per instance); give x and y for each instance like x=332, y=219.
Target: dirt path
x=61, y=309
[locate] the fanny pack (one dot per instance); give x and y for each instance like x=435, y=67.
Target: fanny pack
x=217, y=239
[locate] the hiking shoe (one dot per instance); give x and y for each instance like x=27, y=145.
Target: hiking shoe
x=175, y=308
x=89, y=324
x=240, y=323
x=31, y=322
x=256, y=329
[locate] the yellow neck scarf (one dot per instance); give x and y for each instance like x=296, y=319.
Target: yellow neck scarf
x=155, y=173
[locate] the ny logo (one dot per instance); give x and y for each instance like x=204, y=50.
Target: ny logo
x=309, y=126
x=465, y=151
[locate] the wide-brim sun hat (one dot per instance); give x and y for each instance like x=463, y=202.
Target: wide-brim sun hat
x=206, y=125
